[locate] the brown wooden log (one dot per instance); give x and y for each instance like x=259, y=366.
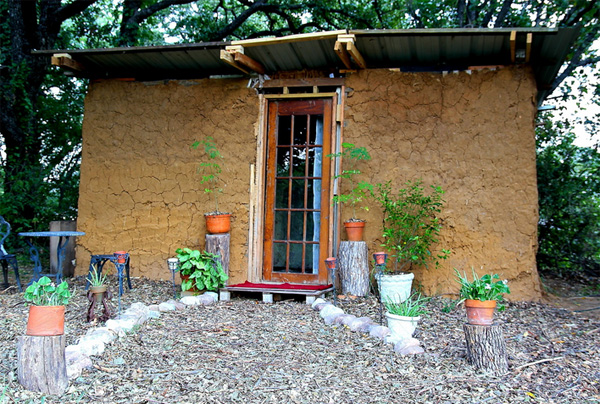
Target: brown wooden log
x=41, y=364
x=354, y=268
x=219, y=244
x=486, y=348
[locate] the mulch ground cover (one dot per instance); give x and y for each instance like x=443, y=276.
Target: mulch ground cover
x=248, y=351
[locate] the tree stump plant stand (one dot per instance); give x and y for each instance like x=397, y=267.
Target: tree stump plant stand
x=354, y=268
x=41, y=364
x=486, y=348
x=219, y=244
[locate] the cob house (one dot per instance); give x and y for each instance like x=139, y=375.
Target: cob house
x=453, y=107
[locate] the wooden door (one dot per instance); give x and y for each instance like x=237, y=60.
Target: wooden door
x=297, y=192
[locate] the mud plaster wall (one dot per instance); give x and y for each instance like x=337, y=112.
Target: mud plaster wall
x=473, y=134
x=139, y=189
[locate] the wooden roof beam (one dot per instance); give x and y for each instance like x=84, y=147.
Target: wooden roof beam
x=513, y=46
x=234, y=55
x=346, y=49
x=65, y=61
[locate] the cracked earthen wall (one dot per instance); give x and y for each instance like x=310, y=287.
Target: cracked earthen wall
x=139, y=189
x=473, y=134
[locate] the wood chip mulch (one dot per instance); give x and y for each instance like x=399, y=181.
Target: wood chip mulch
x=251, y=352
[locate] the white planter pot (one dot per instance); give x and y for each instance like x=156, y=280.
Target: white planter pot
x=395, y=288
x=401, y=327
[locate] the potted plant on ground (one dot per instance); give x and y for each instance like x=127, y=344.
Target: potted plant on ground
x=403, y=317
x=410, y=230
x=200, y=270
x=351, y=155
x=47, y=312
x=217, y=222
x=98, y=285
x=481, y=296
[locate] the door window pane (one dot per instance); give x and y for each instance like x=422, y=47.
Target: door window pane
x=281, y=193
x=300, y=135
x=284, y=130
x=313, y=200
x=283, y=161
x=298, y=193
x=299, y=162
x=279, y=257
x=295, y=258
x=297, y=226
x=281, y=225
x=316, y=130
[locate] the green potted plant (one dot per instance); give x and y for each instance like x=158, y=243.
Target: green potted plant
x=403, y=317
x=217, y=222
x=411, y=228
x=481, y=296
x=200, y=270
x=351, y=155
x=97, y=282
x=47, y=310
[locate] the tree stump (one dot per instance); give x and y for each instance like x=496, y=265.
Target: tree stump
x=41, y=364
x=354, y=267
x=486, y=349
x=219, y=244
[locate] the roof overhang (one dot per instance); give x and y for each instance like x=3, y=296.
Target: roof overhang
x=334, y=51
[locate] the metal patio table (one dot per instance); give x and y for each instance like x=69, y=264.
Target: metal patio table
x=34, y=253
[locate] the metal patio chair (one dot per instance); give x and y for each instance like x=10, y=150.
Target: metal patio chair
x=7, y=259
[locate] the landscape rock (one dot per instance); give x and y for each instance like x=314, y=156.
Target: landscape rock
x=330, y=309
x=409, y=350
x=90, y=345
x=380, y=332
x=406, y=343
x=361, y=324
x=189, y=301
x=206, y=299
x=213, y=295
x=103, y=334
x=345, y=319
x=331, y=318
x=168, y=306
x=317, y=302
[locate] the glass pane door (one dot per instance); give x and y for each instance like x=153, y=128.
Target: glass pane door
x=297, y=190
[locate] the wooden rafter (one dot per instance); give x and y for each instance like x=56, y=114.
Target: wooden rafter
x=528, y=47
x=234, y=55
x=513, y=46
x=348, y=52
x=64, y=60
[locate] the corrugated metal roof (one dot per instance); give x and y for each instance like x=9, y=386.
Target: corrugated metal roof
x=409, y=50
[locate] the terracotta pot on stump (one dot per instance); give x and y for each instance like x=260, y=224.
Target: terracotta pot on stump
x=46, y=321
x=218, y=224
x=354, y=230
x=480, y=312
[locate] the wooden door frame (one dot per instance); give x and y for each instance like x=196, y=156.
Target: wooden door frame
x=258, y=183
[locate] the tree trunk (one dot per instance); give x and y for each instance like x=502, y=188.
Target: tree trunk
x=219, y=244
x=486, y=349
x=41, y=364
x=354, y=268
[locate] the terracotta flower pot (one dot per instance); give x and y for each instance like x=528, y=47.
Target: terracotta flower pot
x=218, y=224
x=98, y=292
x=480, y=312
x=46, y=321
x=380, y=258
x=354, y=230
x=121, y=256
